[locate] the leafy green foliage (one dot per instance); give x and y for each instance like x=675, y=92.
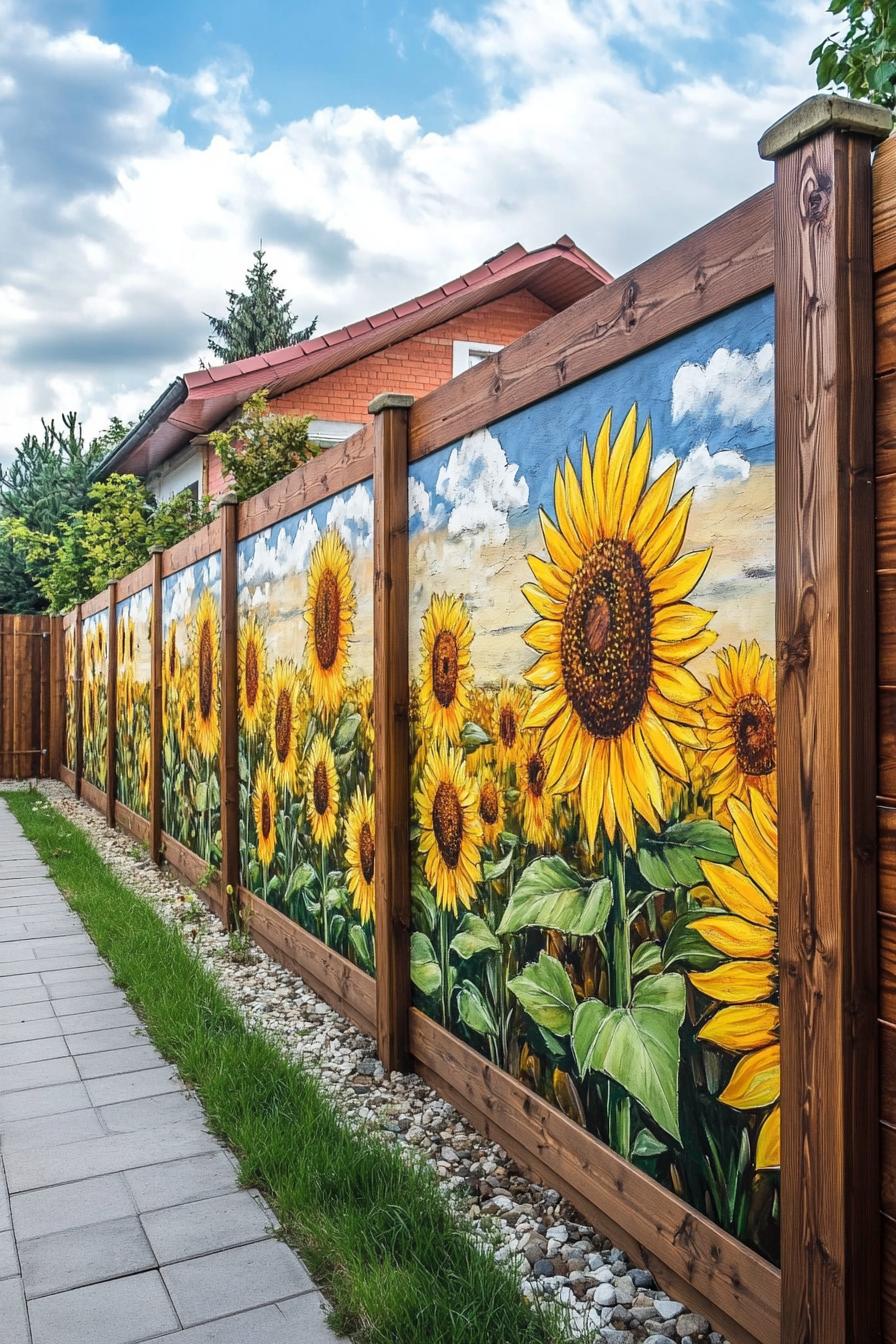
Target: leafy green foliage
x=260, y=448
x=258, y=320
x=863, y=57
x=544, y=990
x=551, y=895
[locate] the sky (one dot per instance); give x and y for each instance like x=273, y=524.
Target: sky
x=377, y=148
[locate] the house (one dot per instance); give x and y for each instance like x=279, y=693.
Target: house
x=413, y=348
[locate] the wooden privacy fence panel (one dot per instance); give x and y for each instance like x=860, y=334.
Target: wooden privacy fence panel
x=592, y=594
x=25, y=686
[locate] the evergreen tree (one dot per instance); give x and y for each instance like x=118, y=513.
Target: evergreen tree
x=259, y=320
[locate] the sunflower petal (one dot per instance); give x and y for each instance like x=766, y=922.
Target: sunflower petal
x=736, y=981
x=550, y=608
x=661, y=746
x=620, y=460
x=768, y=1144
x=742, y=1027
x=675, y=582
x=736, y=937
x=739, y=893
x=636, y=479
x=560, y=548
x=756, y=1080
x=653, y=505
x=680, y=621
x=554, y=581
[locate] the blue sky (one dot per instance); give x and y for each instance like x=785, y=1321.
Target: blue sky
x=379, y=148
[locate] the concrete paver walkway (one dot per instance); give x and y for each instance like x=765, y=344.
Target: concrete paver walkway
x=120, y=1215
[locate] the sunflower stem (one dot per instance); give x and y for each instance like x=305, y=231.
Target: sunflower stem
x=324, y=910
x=619, y=1118
x=443, y=960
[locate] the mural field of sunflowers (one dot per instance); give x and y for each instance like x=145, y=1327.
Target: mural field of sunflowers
x=594, y=840
x=191, y=708
x=132, y=742
x=94, y=695
x=306, y=730
x=71, y=717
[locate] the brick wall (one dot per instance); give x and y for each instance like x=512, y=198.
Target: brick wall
x=416, y=366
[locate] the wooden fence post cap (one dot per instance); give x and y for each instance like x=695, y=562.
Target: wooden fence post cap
x=822, y=112
x=388, y=401
x=157, y=548
x=228, y=497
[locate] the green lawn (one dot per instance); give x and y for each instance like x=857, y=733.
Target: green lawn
x=375, y=1231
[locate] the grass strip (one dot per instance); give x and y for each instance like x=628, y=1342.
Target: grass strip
x=375, y=1231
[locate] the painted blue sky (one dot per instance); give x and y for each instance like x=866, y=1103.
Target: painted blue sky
x=378, y=147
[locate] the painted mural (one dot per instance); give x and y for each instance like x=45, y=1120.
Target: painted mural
x=191, y=708
x=594, y=823
x=132, y=741
x=71, y=714
x=305, y=665
x=94, y=695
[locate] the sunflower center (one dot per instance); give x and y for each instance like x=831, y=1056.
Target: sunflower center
x=366, y=851
x=172, y=658
x=488, y=802
x=535, y=774
x=283, y=726
x=327, y=611
x=320, y=789
x=265, y=815
x=444, y=668
x=251, y=674
x=754, y=735
x=206, y=671
x=605, y=639
x=507, y=726
x=448, y=823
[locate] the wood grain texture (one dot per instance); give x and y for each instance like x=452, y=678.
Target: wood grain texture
x=111, y=703
x=24, y=696
x=888, y=1261
x=195, y=547
x=826, y=739
x=343, y=985
x=155, y=711
x=886, y=859
x=884, y=205
x=885, y=427
x=132, y=823
x=686, y=1251
x=228, y=763
x=99, y=602
x=77, y=680
x=136, y=581
x=67, y=777
x=57, y=697
x=391, y=750
x=194, y=871
x=724, y=263
x=885, y=501
x=336, y=468
x=887, y=954
x=94, y=796
x=885, y=322
x=887, y=1040
x=886, y=711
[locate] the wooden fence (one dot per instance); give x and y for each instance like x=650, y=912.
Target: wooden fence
x=30, y=685
x=805, y=246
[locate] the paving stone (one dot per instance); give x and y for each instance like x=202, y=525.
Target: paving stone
x=29, y=1170
x=36, y=1213
x=126, y=1060
x=49, y=965
x=146, y=1112
x=13, y=1312
x=29, y=1052
x=299, y=1320
x=39, y=1028
x=71, y=1259
x=127, y=1086
x=89, y=1002
x=91, y=969
x=45, y=1073
x=183, y=1181
x=31, y=991
x=30, y=1005
x=207, y=1225
x=50, y=1130
x=37, y=1101
x=120, y=1311
x=9, y=1261
x=104, y=1019
x=90, y=1042
x=68, y=946
x=230, y=1281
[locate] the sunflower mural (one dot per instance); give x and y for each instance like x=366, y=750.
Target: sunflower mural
x=305, y=686
x=594, y=835
x=132, y=742
x=191, y=708
x=94, y=695
x=71, y=715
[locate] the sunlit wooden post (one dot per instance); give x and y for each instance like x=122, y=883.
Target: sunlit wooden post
x=155, y=708
x=56, y=697
x=228, y=506
x=79, y=701
x=830, y=1254
x=390, y=716
x=111, y=703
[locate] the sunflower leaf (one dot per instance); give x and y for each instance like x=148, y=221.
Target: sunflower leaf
x=300, y=878
x=647, y=1145
x=544, y=990
x=586, y=1024
x=472, y=736
x=492, y=871
x=473, y=936
x=672, y=859
x=360, y=945
x=346, y=731
x=685, y=945
x=549, y=894
x=423, y=905
x=473, y=1010
x=647, y=957
x=425, y=972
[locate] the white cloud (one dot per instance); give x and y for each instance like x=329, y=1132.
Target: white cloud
x=481, y=488
x=352, y=517
x=183, y=585
x=420, y=505
x=736, y=386
x=139, y=606
x=287, y=556
x=703, y=471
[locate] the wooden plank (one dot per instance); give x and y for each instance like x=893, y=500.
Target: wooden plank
x=888, y=1170
x=67, y=777
x=194, y=871
x=155, y=709
x=673, y=1239
x=826, y=737
x=885, y=425
x=884, y=205
x=885, y=507
x=92, y=795
x=885, y=322
x=887, y=951
x=886, y=711
x=136, y=581
x=79, y=702
x=112, y=703
x=392, y=877
x=343, y=985
x=132, y=822
x=886, y=628
x=56, y=748
x=195, y=547
x=888, y=1278
x=335, y=469
x=228, y=761
x=722, y=264
x=886, y=859
x=99, y=602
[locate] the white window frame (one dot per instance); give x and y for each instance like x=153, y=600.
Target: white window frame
x=328, y=432
x=467, y=354
x=180, y=473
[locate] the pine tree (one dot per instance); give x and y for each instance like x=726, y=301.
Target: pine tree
x=259, y=320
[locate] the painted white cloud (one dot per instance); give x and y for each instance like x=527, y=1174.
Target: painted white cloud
x=352, y=517
x=736, y=386
x=139, y=605
x=481, y=488
x=702, y=471
x=183, y=588
x=286, y=556
x=420, y=505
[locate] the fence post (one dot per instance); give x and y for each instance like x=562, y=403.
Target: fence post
x=56, y=713
x=392, y=880
x=111, y=702
x=228, y=505
x=155, y=708
x=826, y=722
x=79, y=702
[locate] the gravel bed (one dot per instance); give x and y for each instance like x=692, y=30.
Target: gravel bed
x=609, y=1299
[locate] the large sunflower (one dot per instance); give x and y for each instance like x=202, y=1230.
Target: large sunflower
x=740, y=725
x=747, y=984
x=446, y=670
x=181, y=710
x=450, y=829
x=330, y=618
x=285, y=723
x=536, y=794
x=614, y=633
x=322, y=790
x=511, y=704
x=144, y=763
x=264, y=810
x=204, y=671
x=122, y=641
x=360, y=853
x=491, y=806
x=171, y=667
x=253, y=675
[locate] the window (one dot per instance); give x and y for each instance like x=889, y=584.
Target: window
x=327, y=432
x=183, y=472
x=469, y=353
